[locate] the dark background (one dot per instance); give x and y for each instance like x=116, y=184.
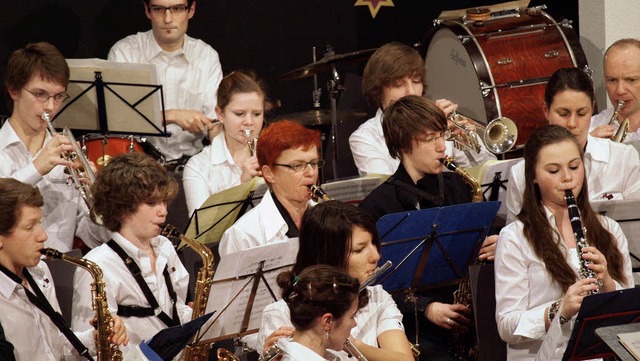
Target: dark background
x=270, y=37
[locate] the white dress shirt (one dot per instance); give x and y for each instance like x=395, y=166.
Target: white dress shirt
x=613, y=171
x=603, y=118
x=32, y=333
x=293, y=351
x=379, y=315
x=189, y=79
x=371, y=155
x=122, y=288
x=524, y=289
x=64, y=213
x=259, y=226
x=208, y=172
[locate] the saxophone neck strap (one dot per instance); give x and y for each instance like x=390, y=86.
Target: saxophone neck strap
x=437, y=200
x=154, y=309
x=38, y=299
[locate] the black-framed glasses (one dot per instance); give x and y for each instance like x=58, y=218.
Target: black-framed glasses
x=43, y=97
x=430, y=140
x=302, y=166
x=158, y=10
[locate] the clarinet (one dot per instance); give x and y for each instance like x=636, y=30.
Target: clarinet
x=581, y=240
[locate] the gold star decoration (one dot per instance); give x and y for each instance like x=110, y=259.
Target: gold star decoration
x=374, y=5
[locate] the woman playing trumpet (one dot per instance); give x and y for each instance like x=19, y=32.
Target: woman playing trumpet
x=537, y=262
x=344, y=236
x=229, y=160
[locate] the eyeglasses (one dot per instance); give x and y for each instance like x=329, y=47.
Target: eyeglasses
x=43, y=96
x=302, y=166
x=446, y=135
x=158, y=10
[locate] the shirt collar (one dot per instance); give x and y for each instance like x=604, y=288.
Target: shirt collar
x=378, y=116
x=156, y=50
x=597, y=149
x=8, y=285
x=8, y=136
x=133, y=251
x=219, y=151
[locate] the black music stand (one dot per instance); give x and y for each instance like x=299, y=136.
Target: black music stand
x=601, y=310
x=221, y=210
x=168, y=342
x=104, y=99
x=433, y=247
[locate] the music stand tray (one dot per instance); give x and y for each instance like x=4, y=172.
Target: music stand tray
x=433, y=247
x=600, y=310
x=111, y=97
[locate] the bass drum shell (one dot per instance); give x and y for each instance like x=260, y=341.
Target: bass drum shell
x=499, y=68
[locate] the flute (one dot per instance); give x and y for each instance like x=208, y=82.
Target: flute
x=377, y=272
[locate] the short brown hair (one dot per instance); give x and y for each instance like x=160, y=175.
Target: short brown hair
x=408, y=117
x=239, y=81
x=13, y=196
x=126, y=182
x=36, y=58
x=391, y=62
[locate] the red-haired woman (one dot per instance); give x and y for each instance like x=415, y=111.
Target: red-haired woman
x=289, y=158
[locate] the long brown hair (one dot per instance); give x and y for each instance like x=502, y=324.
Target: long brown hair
x=545, y=240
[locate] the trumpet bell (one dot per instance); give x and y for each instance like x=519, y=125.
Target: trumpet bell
x=500, y=135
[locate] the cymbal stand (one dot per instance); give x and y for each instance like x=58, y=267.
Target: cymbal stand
x=334, y=88
x=317, y=92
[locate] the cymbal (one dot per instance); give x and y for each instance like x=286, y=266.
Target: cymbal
x=325, y=64
x=317, y=117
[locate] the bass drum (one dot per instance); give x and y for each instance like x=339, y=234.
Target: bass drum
x=100, y=148
x=499, y=67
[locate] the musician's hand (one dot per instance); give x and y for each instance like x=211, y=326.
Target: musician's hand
x=599, y=266
x=214, y=129
x=192, y=121
x=51, y=154
x=572, y=300
x=603, y=131
x=451, y=317
x=446, y=105
x=283, y=331
x=488, y=250
x=250, y=169
x=119, y=332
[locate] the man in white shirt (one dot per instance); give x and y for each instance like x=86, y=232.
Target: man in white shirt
x=393, y=71
x=622, y=81
x=36, y=79
x=188, y=69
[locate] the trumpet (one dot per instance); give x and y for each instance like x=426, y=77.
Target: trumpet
x=83, y=187
x=251, y=141
x=623, y=129
x=499, y=136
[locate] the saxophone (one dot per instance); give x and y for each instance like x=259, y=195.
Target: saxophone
x=197, y=352
x=106, y=351
x=581, y=239
x=464, y=347
x=317, y=193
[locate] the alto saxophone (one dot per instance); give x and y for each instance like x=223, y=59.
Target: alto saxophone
x=106, y=351
x=318, y=193
x=194, y=351
x=581, y=239
x=464, y=347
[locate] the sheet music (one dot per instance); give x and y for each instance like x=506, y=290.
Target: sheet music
x=231, y=277
x=353, y=190
x=551, y=341
x=83, y=113
x=492, y=170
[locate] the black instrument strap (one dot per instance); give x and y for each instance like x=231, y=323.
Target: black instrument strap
x=39, y=300
x=138, y=311
x=437, y=200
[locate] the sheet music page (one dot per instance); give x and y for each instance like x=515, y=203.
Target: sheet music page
x=233, y=287
x=498, y=171
x=214, y=209
x=83, y=113
x=631, y=341
x=552, y=340
x=353, y=190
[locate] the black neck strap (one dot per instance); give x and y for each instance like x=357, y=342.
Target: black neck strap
x=38, y=299
x=154, y=310
x=436, y=200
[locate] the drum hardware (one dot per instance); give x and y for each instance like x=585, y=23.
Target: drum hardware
x=505, y=61
x=517, y=83
x=551, y=54
x=522, y=30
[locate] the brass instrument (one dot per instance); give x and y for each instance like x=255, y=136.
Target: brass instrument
x=581, y=239
x=623, y=129
x=195, y=351
x=464, y=346
x=352, y=350
x=83, y=187
x=271, y=354
x=106, y=351
x=318, y=193
x=251, y=141
x=224, y=355
x=499, y=136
